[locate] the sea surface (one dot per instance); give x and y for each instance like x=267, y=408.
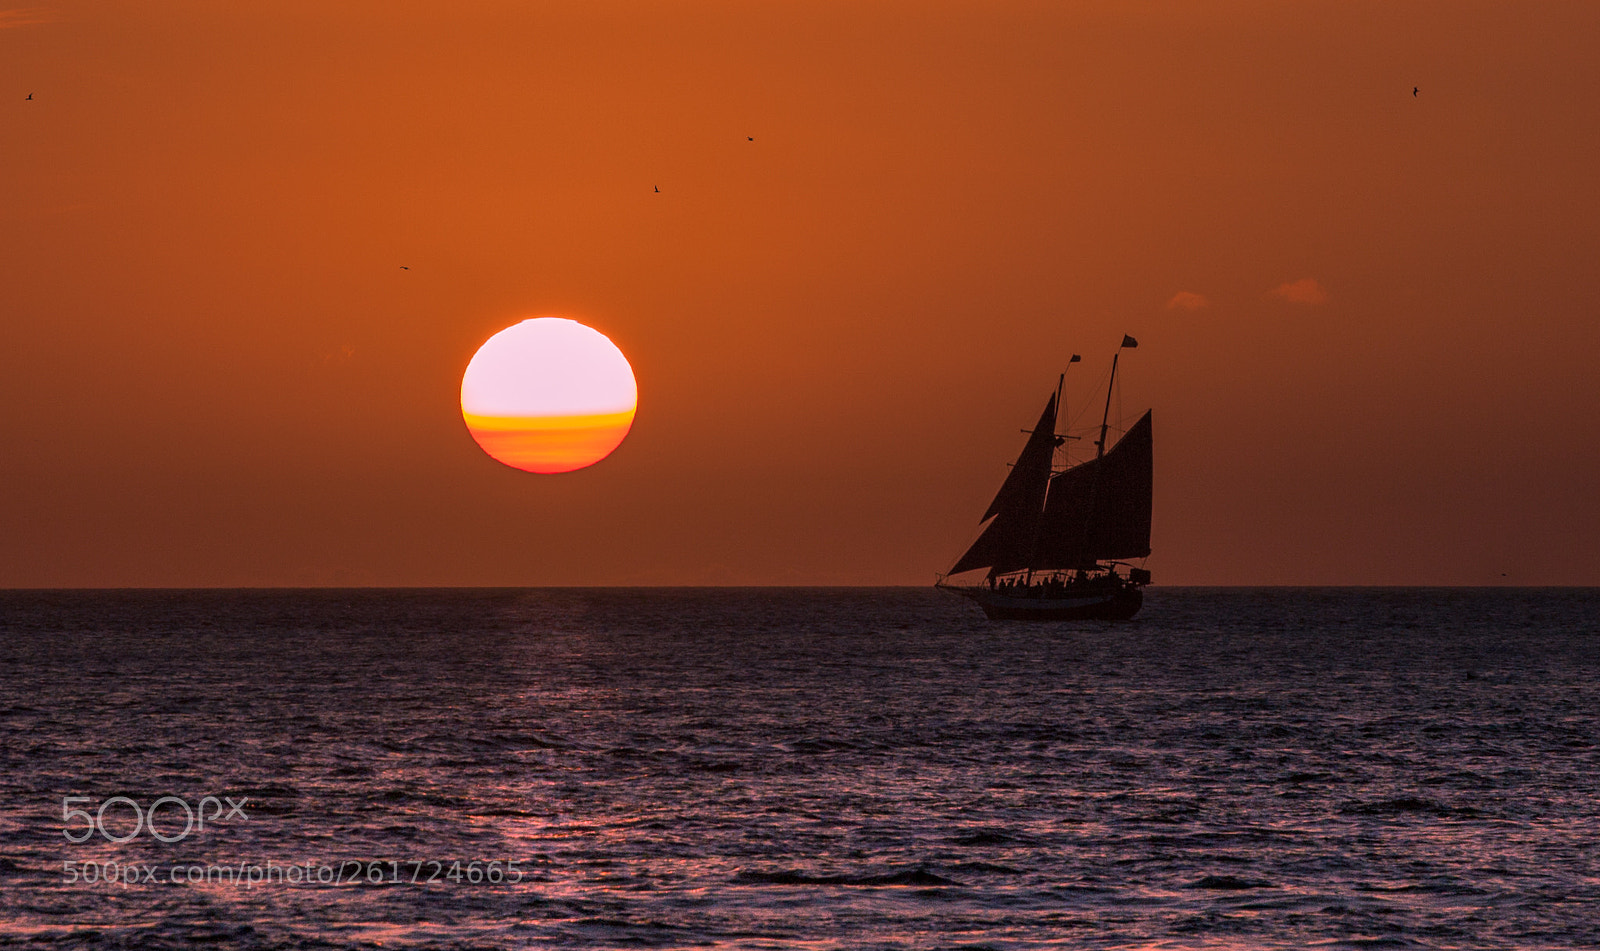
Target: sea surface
x=798, y=768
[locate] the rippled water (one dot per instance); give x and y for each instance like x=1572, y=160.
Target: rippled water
x=805, y=768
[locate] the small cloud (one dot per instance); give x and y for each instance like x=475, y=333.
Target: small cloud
x=1304, y=291
x=25, y=16
x=1187, y=300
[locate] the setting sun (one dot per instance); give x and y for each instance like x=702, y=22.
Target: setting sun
x=548, y=395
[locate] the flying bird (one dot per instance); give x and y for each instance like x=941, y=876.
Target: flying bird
x=658, y=189
x=404, y=268
x=750, y=138
x=1413, y=92
x=30, y=98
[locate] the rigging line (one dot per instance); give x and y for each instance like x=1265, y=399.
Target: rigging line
x=1120, y=416
x=1087, y=404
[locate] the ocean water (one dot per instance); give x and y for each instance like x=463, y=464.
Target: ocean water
x=785, y=768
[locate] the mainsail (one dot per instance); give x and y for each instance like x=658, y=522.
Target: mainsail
x=1096, y=511
x=1100, y=510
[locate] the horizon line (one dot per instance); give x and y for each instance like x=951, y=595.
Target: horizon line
x=773, y=587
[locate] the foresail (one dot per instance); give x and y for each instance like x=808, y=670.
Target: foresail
x=1007, y=542
x=1024, y=487
x=1003, y=546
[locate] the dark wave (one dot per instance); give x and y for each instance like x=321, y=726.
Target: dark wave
x=1410, y=805
x=1229, y=883
x=984, y=837
x=918, y=877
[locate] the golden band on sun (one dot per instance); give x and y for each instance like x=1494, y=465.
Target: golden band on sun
x=549, y=443
x=548, y=395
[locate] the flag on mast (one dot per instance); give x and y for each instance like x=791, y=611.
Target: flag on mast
x=1075, y=358
x=1128, y=341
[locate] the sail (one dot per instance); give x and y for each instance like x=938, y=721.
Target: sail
x=1025, y=485
x=1007, y=542
x=1100, y=510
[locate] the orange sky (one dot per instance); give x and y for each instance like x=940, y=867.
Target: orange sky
x=1369, y=322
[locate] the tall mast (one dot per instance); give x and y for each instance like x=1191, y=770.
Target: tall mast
x=1060, y=381
x=1100, y=447
x=1054, y=442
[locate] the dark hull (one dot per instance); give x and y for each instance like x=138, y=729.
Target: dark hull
x=1118, y=605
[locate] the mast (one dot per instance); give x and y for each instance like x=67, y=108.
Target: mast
x=1055, y=440
x=1100, y=446
x=1061, y=408
x=1060, y=382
